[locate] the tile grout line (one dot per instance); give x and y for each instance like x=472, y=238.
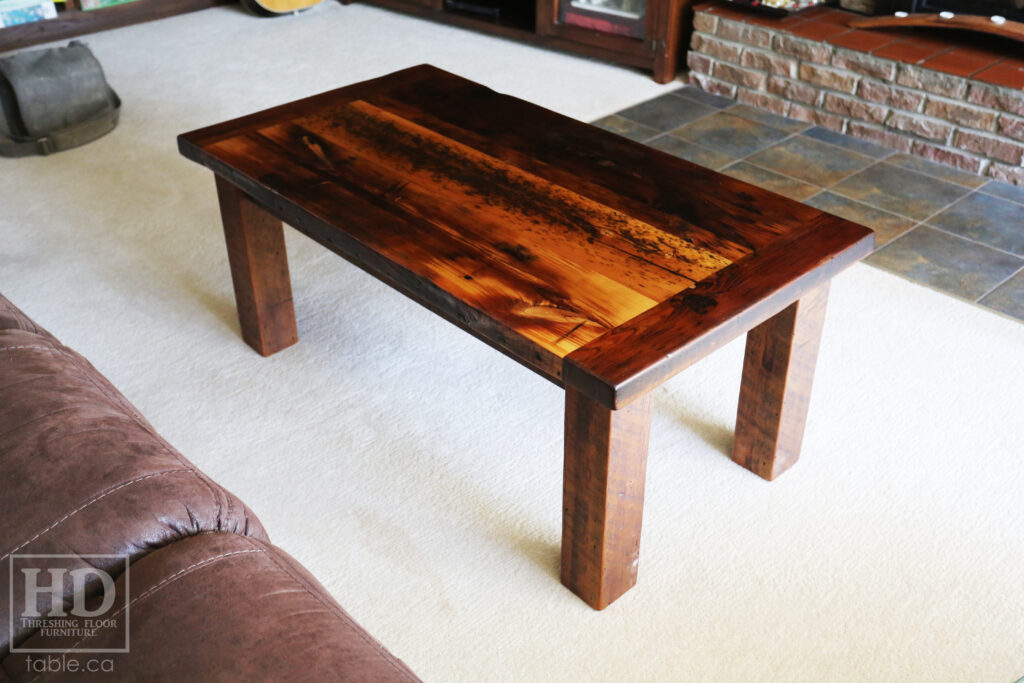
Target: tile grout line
x=892, y=152
x=975, y=301
x=694, y=144
x=935, y=176
x=1001, y=283
x=684, y=125
x=925, y=222
x=919, y=221
x=972, y=240
x=943, y=292
x=679, y=92
x=915, y=222
x=1012, y=201
x=875, y=161
x=746, y=160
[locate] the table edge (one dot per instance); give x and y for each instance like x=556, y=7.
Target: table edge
x=208, y=135
x=419, y=290
x=683, y=329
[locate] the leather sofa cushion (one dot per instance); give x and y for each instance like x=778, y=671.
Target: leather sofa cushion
x=223, y=607
x=12, y=318
x=82, y=472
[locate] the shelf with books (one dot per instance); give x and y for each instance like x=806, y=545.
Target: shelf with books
x=17, y=12
x=74, y=20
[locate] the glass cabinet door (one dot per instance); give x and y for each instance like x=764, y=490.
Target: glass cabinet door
x=643, y=33
x=617, y=17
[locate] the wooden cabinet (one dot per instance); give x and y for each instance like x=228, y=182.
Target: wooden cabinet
x=626, y=18
x=641, y=33
x=72, y=21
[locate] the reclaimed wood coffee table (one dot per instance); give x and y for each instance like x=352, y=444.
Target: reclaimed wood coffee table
x=605, y=266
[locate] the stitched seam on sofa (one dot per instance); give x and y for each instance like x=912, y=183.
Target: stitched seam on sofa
x=28, y=324
x=117, y=397
x=36, y=419
x=90, y=373
x=33, y=378
x=20, y=319
x=121, y=441
x=170, y=579
x=24, y=322
x=90, y=502
x=340, y=613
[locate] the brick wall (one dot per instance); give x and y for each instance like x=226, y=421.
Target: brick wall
x=968, y=124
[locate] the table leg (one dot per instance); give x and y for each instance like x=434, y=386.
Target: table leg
x=259, y=270
x=603, y=496
x=778, y=370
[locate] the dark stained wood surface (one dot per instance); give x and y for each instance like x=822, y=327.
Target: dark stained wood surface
x=543, y=236
x=259, y=271
x=778, y=369
x=679, y=197
x=657, y=51
x=1014, y=30
x=603, y=265
x=603, y=496
x=629, y=361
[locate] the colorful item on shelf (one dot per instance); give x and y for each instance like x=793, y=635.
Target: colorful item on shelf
x=99, y=4
x=781, y=6
x=14, y=12
x=617, y=17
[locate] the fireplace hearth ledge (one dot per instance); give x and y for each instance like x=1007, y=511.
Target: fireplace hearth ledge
x=961, y=121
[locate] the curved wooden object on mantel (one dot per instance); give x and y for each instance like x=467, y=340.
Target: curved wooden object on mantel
x=966, y=22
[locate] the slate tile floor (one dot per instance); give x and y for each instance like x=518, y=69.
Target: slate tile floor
x=953, y=231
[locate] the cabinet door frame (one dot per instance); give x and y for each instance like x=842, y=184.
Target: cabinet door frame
x=658, y=46
x=548, y=25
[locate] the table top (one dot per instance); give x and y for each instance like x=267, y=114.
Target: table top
x=565, y=246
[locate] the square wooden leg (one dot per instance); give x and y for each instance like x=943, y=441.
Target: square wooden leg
x=259, y=270
x=603, y=496
x=778, y=370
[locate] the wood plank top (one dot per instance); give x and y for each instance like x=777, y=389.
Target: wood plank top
x=545, y=237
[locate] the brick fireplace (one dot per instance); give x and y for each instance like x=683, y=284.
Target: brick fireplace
x=945, y=96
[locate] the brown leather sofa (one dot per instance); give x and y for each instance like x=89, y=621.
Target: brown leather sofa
x=210, y=598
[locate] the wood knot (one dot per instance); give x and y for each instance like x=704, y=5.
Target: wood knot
x=698, y=303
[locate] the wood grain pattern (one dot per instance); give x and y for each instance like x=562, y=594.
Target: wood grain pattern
x=192, y=144
x=603, y=265
x=511, y=194
x=718, y=212
x=585, y=165
x=259, y=271
x=551, y=298
x=1013, y=30
x=603, y=496
x=545, y=237
x=630, y=360
x=319, y=208
x=778, y=370
x=587, y=266
x=666, y=33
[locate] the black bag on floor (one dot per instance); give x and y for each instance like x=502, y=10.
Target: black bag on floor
x=53, y=99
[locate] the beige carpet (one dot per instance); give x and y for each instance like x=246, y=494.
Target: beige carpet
x=417, y=472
